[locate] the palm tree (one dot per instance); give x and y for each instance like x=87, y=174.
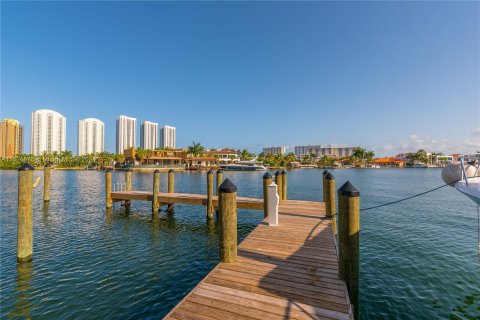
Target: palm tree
x=195, y=148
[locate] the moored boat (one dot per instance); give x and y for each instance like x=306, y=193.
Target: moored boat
x=251, y=165
x=464, y=176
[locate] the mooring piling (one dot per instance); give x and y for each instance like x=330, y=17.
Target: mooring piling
x=25, y=213
x=278, y=182
x=209, y=208
x=228, y=221
x=156, y=190
x=284, y=185
x=267, y=180
x=128, y=186
x=108, y=188
x=47, y=171
x=330, y=207
x=219, y=180
x=171, y=187
x=349, y=241
x=324, y=181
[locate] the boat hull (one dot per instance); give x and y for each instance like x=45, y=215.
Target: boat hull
x=472, y=190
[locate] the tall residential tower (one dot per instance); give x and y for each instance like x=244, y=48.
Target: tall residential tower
x=11, y=138
x=149, y=135
x=90, y=136
x=48, y=132
x=126, y=133
x=167, y=137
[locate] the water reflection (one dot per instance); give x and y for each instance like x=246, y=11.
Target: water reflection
x=22, y=307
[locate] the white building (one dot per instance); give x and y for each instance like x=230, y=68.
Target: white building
x=48, y=132
x=167, y=137
x=149, y=135
x=320, y=151
x=275, y=150
x=126, y=133
x=90, y=136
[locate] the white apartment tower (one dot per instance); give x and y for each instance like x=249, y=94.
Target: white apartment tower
x=126, y=129
x=149, y=135
x=48, y=132
x=90, y=136
x=167, y=137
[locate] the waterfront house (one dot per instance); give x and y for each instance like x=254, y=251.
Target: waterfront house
x=390, y=162
x=165, y=158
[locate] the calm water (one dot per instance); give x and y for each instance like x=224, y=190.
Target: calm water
x=419, y=259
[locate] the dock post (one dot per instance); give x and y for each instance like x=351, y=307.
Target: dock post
x=330, y=208
x=156, y=190
x=219, y=180
x=25, y=213
x=273, y=201
x=284, y=185
x=171, y=187
x=228, y=221
x=324, y=174
x=278, y=182
x=128, y=186
x=349, y=241
x=108, y=188
x=210, y=194
x=47, y=171
x=267, y=180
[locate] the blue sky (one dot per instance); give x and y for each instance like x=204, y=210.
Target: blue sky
x=388, y=76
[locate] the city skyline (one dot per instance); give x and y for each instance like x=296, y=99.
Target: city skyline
x=325, y=72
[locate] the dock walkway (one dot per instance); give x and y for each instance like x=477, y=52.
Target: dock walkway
x=285, y=272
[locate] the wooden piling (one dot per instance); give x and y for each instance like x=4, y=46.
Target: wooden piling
x=209, y=208
x=330, y=208
x=267, y=180
x=108, y=188
x=219, y=180
x=156, y=190
x=349, y=241
x=284, y=185
x=25, y=213
x=128, y=186
x=228, y=221
x=47, y=171
x=324, y=181
x=278, y=182
x=171, y=187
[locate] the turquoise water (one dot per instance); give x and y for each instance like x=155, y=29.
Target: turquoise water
x=419, y=259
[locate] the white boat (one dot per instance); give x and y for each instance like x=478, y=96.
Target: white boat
x=250, y=165
x=419, y=165
x=468, y=181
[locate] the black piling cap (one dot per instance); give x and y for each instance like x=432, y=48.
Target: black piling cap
x=109, y=170
x=284, y=172
x=48, y=165
x=171, y=171
x=329, y=176
x=277, y=173
x=227, y=186
x=210, y=171
x=25, y=167
x=325, y=172
x=219, y=171
x=156, y=171
x=267, y=176
x=348, y=190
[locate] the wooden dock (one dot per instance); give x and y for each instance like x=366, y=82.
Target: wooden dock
x=285, y=272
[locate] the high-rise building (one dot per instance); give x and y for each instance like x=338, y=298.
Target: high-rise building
x=90, y=136
x=126, y=133
x=167, y=137
x=149, y=135
x=320, y=151
x=275, y=150
x=11, y=138
x=48, y=132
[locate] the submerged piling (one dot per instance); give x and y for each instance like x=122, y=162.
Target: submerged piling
x=25, y=213
x=267, y=180
x=228, y=221
x=209, y=208
x=156, y=190
x=349, y=242
x=47, y=171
